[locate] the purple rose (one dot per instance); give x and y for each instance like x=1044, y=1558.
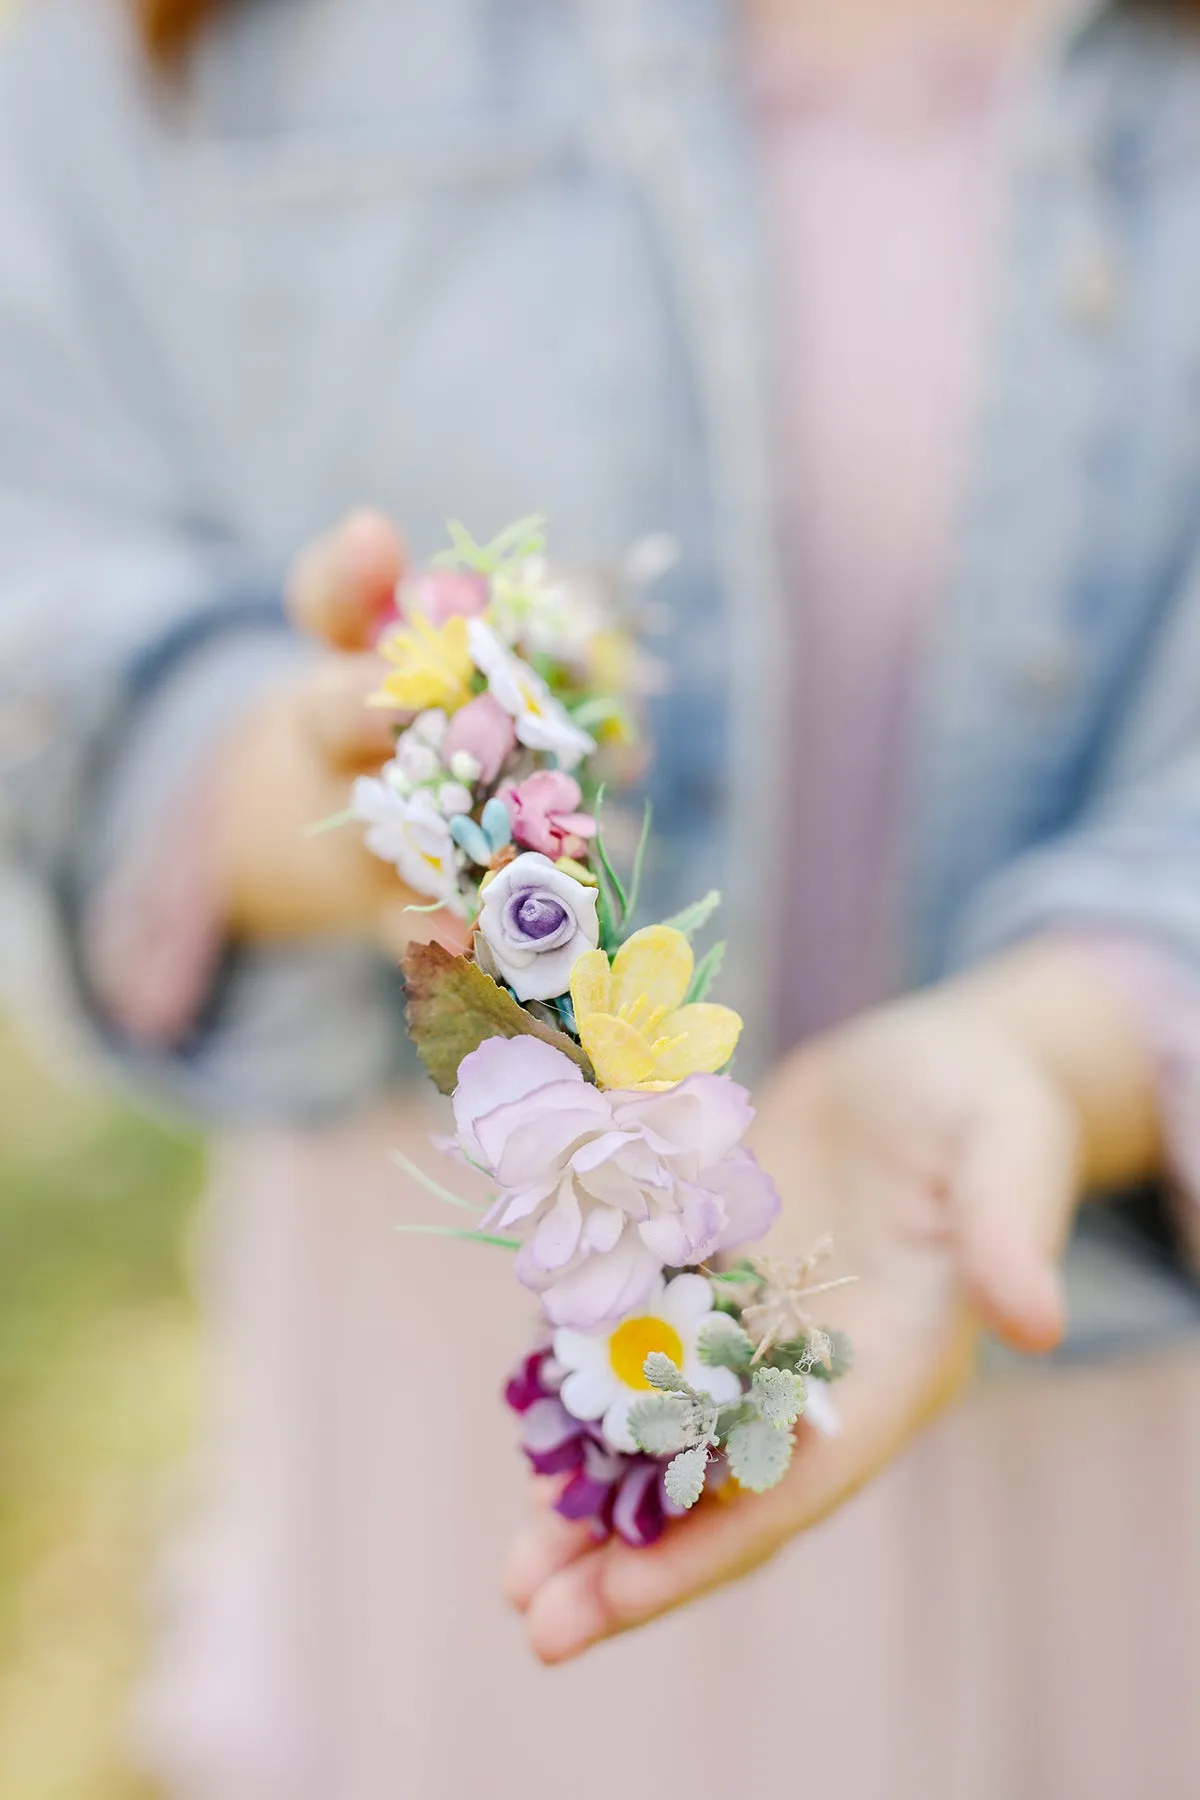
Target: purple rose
x=537, y=922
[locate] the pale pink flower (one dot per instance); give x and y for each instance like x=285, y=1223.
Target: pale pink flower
x=607, y=1188
x=441, y=594
x=545, y=814
x=482, y=731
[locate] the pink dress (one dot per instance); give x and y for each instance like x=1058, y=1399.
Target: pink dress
x=1012, y=1611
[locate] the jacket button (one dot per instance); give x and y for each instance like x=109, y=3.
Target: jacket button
x=1047, y=672
x=1094, y=291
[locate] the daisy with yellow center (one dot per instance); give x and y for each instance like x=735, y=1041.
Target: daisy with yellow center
x=633, y=1020
x=605, y=1371
x=431, y=666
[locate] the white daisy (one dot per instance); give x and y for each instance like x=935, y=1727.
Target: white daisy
x=605, y=1371
x=541, y=721
x=548, y=617
x=409, y=831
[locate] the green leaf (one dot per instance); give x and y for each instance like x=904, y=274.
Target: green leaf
x=416, y=1173
x=699, y=913
x=614, y=879
x=706, y=972
x=453, y=1007
x=841, y=1359
x=639, y=860
x=743, y=1274
x=661, y=1424
x=332, y=822
x=610, y=934
x=815, y=1351
x=662, y=1373
x=758, y=1455
x=722, y=1344
x=524, y=538
x=469, y=1237
x=779, y=1396
x=738, y=1412
x=684, y=1476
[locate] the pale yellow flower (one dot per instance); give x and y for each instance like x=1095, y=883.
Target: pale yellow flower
x=432, y=666
x=632, y=1019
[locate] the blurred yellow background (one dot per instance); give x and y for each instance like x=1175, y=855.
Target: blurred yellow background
x=99, y=1372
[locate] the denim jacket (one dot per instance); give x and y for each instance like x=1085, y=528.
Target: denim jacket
x=493, y=256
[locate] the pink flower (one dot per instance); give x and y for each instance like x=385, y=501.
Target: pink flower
x=482, y=731
x=545, y=816
x=441, y=594
x=606, y=1188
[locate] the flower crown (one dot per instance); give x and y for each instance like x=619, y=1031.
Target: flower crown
x=587, y=1066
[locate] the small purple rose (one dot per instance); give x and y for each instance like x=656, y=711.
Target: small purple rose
x=537, y=923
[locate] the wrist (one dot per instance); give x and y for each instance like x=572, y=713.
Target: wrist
x=1051, y=998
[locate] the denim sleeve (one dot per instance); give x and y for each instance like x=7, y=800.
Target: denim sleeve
x=1130, y=861
x=291, y=1032
x=133, y=615
x=1129, y=866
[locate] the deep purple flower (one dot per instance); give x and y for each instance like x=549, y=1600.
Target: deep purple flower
x=525, y=1384
x=606, y=1489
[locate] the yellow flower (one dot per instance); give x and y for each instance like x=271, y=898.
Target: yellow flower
x=632, y=1020
x=433, y=666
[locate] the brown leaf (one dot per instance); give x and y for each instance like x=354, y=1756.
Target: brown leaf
x=453, y=1006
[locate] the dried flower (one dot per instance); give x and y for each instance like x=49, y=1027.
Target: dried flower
x=778, y=1313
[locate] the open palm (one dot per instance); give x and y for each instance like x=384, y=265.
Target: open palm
x=943, y=1158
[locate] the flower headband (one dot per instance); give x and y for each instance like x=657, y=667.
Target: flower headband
x=588, y=1068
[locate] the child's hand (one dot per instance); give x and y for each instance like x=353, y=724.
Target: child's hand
x=944, y=1142
x=292, y=760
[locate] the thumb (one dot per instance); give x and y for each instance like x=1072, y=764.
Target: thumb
x=342, y=588
x=404, y=919
x=1014, y=1197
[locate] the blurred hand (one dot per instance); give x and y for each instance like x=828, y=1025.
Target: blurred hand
x=291, y=761
x=943, y=1141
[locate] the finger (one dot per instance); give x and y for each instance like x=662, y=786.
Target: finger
x=343, y=587
x=546, y=1545
x=1013, y=1195
x=402, y=921
x=615, y=1587
x=347, y=732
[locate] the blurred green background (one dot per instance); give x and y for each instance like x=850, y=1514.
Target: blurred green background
x=99, y=1388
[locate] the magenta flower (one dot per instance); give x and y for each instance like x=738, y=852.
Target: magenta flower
x=482, y=732
x=545, y=814
x=605, y=1488
x=441, y=594
x=607, y=1188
